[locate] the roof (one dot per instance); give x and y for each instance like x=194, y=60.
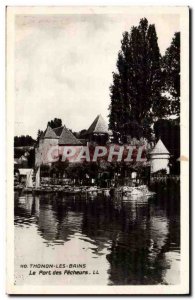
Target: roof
x=67, y=138
x=159, y=148
x=83, y=141
x=64, y=135
x=25, y=171
x=58, y=130
x=99, y=125
x=50, y=133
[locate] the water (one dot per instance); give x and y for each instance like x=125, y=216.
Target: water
x=117, y=241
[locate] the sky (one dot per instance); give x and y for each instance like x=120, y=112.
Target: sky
x=64, y=65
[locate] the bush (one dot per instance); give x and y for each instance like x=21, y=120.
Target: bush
x=160, y=172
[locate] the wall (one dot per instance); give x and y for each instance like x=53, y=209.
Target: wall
x=159, y=162
x=41, y=153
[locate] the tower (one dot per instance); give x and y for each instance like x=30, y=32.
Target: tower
x=159, y=158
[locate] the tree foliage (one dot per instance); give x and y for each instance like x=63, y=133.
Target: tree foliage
x=55, y=123
x=171, y=73
x=39, y=133
x=169, y=132
x=23, y=140
x=82, y=133
x=137, y=84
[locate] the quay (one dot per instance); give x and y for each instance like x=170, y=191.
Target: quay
x=65, y=190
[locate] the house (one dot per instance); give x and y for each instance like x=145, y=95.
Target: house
x=21, y=162
x=23, y=157
x=97, y=134
x=57, y=137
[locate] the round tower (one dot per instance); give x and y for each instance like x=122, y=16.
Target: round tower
x=159, y=158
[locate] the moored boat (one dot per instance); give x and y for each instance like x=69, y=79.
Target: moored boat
x=138, y=191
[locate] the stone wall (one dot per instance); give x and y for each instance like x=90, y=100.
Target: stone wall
x=42, y=151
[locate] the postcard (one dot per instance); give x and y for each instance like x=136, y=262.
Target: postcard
x=98, y=150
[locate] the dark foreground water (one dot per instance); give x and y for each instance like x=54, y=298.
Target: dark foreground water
x=110, y=241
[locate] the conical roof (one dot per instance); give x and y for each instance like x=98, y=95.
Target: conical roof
x=159, y=148
x=67, y=138
x=99, y=125
x=50, y=134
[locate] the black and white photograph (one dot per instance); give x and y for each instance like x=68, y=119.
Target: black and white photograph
x=98, y=141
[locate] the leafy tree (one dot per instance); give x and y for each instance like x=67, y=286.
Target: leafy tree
x=169, y=132
x=45, y=170
x=55, y=123
x=31, y=158
x=171, y=73
x=136, y=89
x=59, y=168
x=39, y=133
x=23, y=140
x=82, y=133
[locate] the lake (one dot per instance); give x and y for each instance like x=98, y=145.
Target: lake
x=97, y=240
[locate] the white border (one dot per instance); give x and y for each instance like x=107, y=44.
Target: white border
x=183, y=288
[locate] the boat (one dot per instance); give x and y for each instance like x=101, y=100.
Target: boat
x=29, y=181
x=18, y=187
x=138, y=191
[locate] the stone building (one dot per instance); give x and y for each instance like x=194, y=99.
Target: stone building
x=98, y=132
x=59, y=136
x=159, y=158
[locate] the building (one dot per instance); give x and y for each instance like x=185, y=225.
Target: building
x=159, y=158
x=21, y=162
x=98, y=132
x=57, y=137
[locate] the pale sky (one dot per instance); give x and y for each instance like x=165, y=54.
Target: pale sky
x=64, y=65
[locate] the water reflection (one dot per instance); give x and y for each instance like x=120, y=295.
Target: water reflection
x=130, y=242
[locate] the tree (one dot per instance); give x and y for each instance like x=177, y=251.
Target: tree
x=169, y=132
x=55, y=123
x=171, y=73
x=23, y=140
x=31, y=158
x=59, y=167
x=39, y=133
x=136, y=89
x=82, y=133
